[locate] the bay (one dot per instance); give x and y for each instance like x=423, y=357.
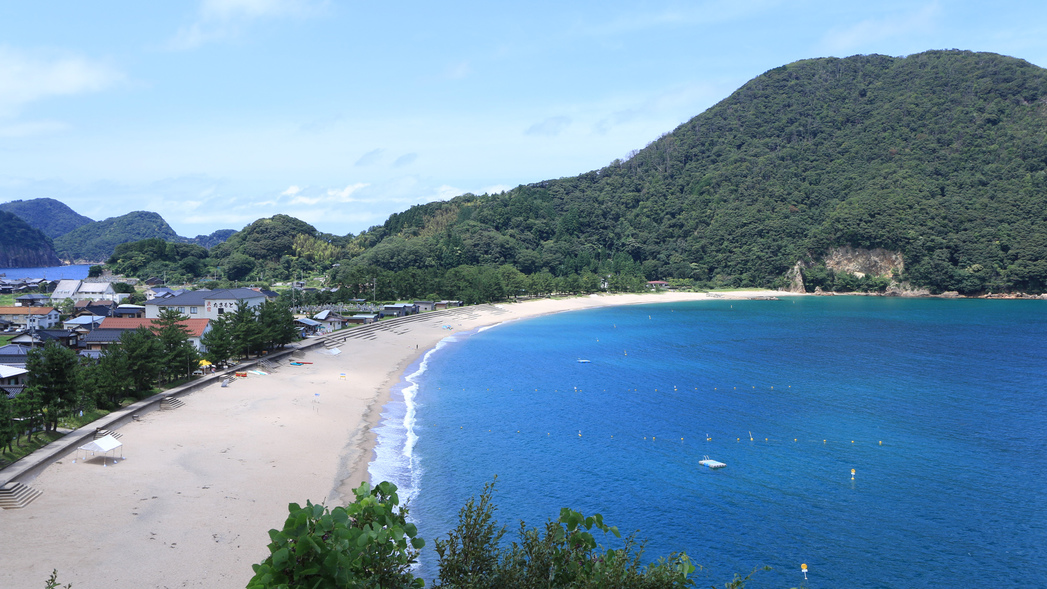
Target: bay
x=72, y=272
x=937, y=405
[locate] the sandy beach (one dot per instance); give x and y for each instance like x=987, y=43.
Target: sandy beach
x=201, y=485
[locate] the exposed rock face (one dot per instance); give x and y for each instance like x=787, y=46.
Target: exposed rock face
x=864, y=262
x=12, y=256
x=906, y=290
x=795, y=277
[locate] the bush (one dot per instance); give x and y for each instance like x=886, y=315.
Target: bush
x=365, y=544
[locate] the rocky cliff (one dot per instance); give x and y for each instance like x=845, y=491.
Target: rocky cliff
x=865, y=262
x=21, y=246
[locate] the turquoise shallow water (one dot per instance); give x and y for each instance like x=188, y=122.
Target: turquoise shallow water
x=956, y=494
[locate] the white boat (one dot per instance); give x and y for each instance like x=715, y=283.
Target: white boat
x=711, y=463
x=582, y=361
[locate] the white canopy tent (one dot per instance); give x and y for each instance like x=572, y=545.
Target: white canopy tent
x=105, y=445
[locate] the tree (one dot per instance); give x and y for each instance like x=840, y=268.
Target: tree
x=368, y=543
x=177, y=352
x=144, y=356
x=245, y=330
x=8, y=430
x=566, y=555
x=218, y=341
x=52, y=381
x=112, y=377
x=277, y=324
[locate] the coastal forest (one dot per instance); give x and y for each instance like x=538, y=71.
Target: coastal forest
x=938, y=157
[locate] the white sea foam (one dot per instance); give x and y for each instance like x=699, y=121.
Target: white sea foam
x=394, y=459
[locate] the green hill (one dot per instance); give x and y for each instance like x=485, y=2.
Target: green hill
x=48, y=215
x=96, y=241
x=22, y=246
x=939, y=156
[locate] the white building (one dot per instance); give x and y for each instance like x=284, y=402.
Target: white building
x=205, y=304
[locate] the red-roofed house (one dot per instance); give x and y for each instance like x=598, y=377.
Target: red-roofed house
x=197, y=327
x=30, y=317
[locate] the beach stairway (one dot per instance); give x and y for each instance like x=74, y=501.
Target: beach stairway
x=267, y=365
x=101, y=433
x=17, y=495
x=171, y=403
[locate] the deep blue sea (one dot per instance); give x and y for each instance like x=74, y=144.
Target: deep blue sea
x=72, y=272
x=938, y=406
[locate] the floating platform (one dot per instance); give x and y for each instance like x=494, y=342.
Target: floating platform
x=582, y=361
x=711, y=463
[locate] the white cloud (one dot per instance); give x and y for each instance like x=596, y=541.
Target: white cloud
x=219, y=20
x=550, y=127
x=343, y=194
x=444, y=192
x=291, y=191
x=869, y=31
x=231, y=9
x=370, y=157
x=405, y=160
x=25, y=78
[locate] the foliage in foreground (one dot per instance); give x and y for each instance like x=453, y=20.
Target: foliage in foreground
x=368, y=543
x=564, y=555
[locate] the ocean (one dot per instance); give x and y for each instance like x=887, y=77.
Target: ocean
x=73, y=272
x=938, y=406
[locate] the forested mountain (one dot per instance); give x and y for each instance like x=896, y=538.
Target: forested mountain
x=79, y=238
x=938, y=160
x=941, y=156
x=96, y=241
x=50, y=216
x=211, y=240
x=22, y=246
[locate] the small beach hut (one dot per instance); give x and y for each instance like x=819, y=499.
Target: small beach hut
x=105, y=445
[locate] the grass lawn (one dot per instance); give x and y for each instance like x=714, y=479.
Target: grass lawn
x=24, y=448
x=7, y=300
x=4, y=339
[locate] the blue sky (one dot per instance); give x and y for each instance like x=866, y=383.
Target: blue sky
x=218, y=112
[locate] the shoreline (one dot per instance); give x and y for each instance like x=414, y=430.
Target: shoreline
x=201, y=485
x=372, y=420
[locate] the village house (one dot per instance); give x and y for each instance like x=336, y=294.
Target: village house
x=196, y=328
x=99, y=308
x=13, y=375
x=78, y=290
x=330, y=319
x=307, y=326
x=30, y=317
x=38, y=338
x=424, y=306
x=98, y=339
x=33, y=300
x=205, y=304
x=128, y=311
x=12, y=380
x=161, y=292
x=13, y=355
x=361, y=319
x=440, y=305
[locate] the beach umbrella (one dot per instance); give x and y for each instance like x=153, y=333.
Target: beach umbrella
x=204, y=363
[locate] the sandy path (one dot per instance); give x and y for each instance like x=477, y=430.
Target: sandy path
x=203, y=484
